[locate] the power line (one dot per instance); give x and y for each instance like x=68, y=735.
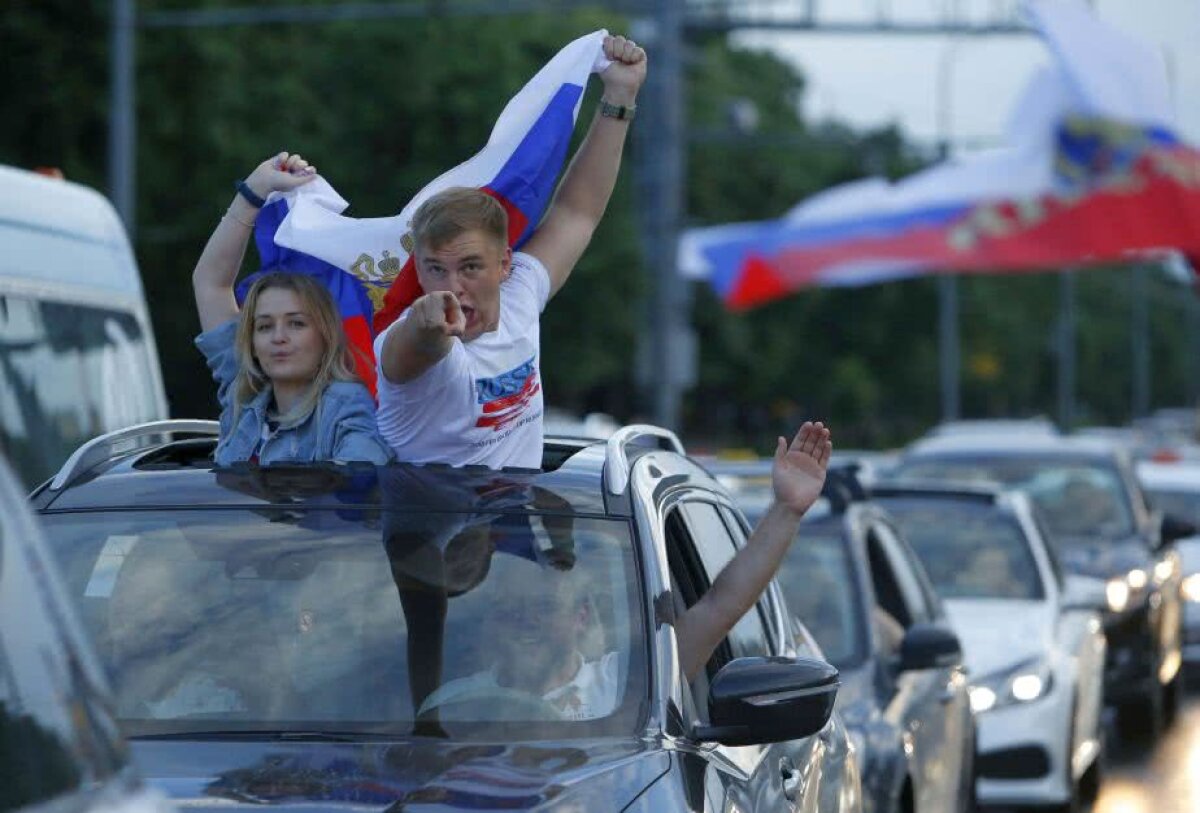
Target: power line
x=697, y=16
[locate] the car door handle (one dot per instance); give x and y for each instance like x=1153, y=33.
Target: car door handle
x=791, y=777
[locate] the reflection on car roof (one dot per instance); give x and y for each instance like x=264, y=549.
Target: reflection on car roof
x=144, y=481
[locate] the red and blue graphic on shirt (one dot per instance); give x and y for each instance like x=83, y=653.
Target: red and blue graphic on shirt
x=505, y=397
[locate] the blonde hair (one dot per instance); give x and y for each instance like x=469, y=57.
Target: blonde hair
x=337, y=364
x=453, y=211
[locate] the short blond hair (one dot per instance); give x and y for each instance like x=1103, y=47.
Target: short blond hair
x=336, y=365
x=453, y=211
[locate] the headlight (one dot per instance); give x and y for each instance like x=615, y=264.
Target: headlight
x=1117, y=593
x=1164, y=569
x=1191, y=588
x=1124, y=591
x=982, y=699
x=1137, y=579
x=1023, y=683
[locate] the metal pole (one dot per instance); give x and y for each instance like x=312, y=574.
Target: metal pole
x=122, y=130
x=948, y=346
x=669, y=349
x=949, y=334
x=1192, y=306
x=1140, y=335
x=1066, y=349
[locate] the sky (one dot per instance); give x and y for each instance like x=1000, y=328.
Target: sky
x=876, y=80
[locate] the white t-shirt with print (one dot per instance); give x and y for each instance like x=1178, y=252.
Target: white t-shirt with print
x=482, y=403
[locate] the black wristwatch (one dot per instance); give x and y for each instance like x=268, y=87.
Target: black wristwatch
x=249, y=194
x=617, y=111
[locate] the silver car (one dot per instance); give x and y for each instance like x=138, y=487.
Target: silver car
x=60, y=748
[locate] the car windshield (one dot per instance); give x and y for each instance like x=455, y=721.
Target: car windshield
x=289, y=618
x=1183, y=504
x=1078, y=499
x=820, y=588
x=969, y=550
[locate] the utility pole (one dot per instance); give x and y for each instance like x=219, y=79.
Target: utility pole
x=949, y=332
x=122, y=124
x=1139, y=329
x=949, y=355
x=668, y=352
x=1066, y=349
x=1191, y=306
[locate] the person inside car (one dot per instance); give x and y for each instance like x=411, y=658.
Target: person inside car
x=989, y=574
x=543, y=642
x=459, y=373
x=1087, y=506
x=283, y=369
x=437, y=557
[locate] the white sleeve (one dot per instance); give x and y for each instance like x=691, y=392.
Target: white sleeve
x=450, y=368
x=531, y=279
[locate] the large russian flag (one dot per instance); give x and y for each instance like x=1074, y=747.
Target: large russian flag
x=1093, y=173
x=367, y=262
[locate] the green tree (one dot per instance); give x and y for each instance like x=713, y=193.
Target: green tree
x=381, y=107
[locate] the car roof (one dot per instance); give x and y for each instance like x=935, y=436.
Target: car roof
x=181, y=474
x=1175, y=476
x=974, y=492
x=988, y=426
x=1012, y=445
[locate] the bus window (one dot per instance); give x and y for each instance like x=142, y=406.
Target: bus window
x=68, y=372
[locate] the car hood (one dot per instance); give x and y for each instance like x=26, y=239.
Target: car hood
x=408, y=775
x=998, y=633
x=1101, y=558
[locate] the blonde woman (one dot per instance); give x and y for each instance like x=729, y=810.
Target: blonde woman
x=282, y=364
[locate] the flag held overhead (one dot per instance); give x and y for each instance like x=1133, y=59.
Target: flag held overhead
x=368, y=261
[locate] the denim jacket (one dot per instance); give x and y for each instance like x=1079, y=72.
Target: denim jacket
x=341, y=428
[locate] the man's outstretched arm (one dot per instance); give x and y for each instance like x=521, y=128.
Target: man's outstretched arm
x=797, y=477
x=423, y=339
x=582, y=197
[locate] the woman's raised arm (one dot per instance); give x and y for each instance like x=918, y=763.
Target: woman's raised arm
x=217, y=268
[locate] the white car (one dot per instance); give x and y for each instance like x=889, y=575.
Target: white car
x=60, y=747
x=1033, y=640
x=1174, y=488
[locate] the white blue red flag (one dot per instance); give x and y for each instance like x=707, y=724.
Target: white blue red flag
x=367, y=263
x=1093, y=173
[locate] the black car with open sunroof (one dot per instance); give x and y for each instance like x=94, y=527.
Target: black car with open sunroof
x=411, y=637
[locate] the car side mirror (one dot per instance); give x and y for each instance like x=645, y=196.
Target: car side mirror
x=1083, y=593
x=760, y=700
x=929, y=646
x=1174, y=528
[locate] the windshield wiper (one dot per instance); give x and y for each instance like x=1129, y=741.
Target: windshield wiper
x=270, y=736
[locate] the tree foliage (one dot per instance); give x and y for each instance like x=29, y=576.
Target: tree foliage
x=382, y=107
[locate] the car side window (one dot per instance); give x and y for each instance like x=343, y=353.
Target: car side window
x=932, y=605
x=698, y=548
x=896, y=590
x=57, y=738
x=768, y=604
x=716, y=546
x=1051, y=554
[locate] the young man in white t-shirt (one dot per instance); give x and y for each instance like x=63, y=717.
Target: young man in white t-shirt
x=460, y=379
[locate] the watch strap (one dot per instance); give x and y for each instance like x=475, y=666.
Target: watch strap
x=617, y=111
